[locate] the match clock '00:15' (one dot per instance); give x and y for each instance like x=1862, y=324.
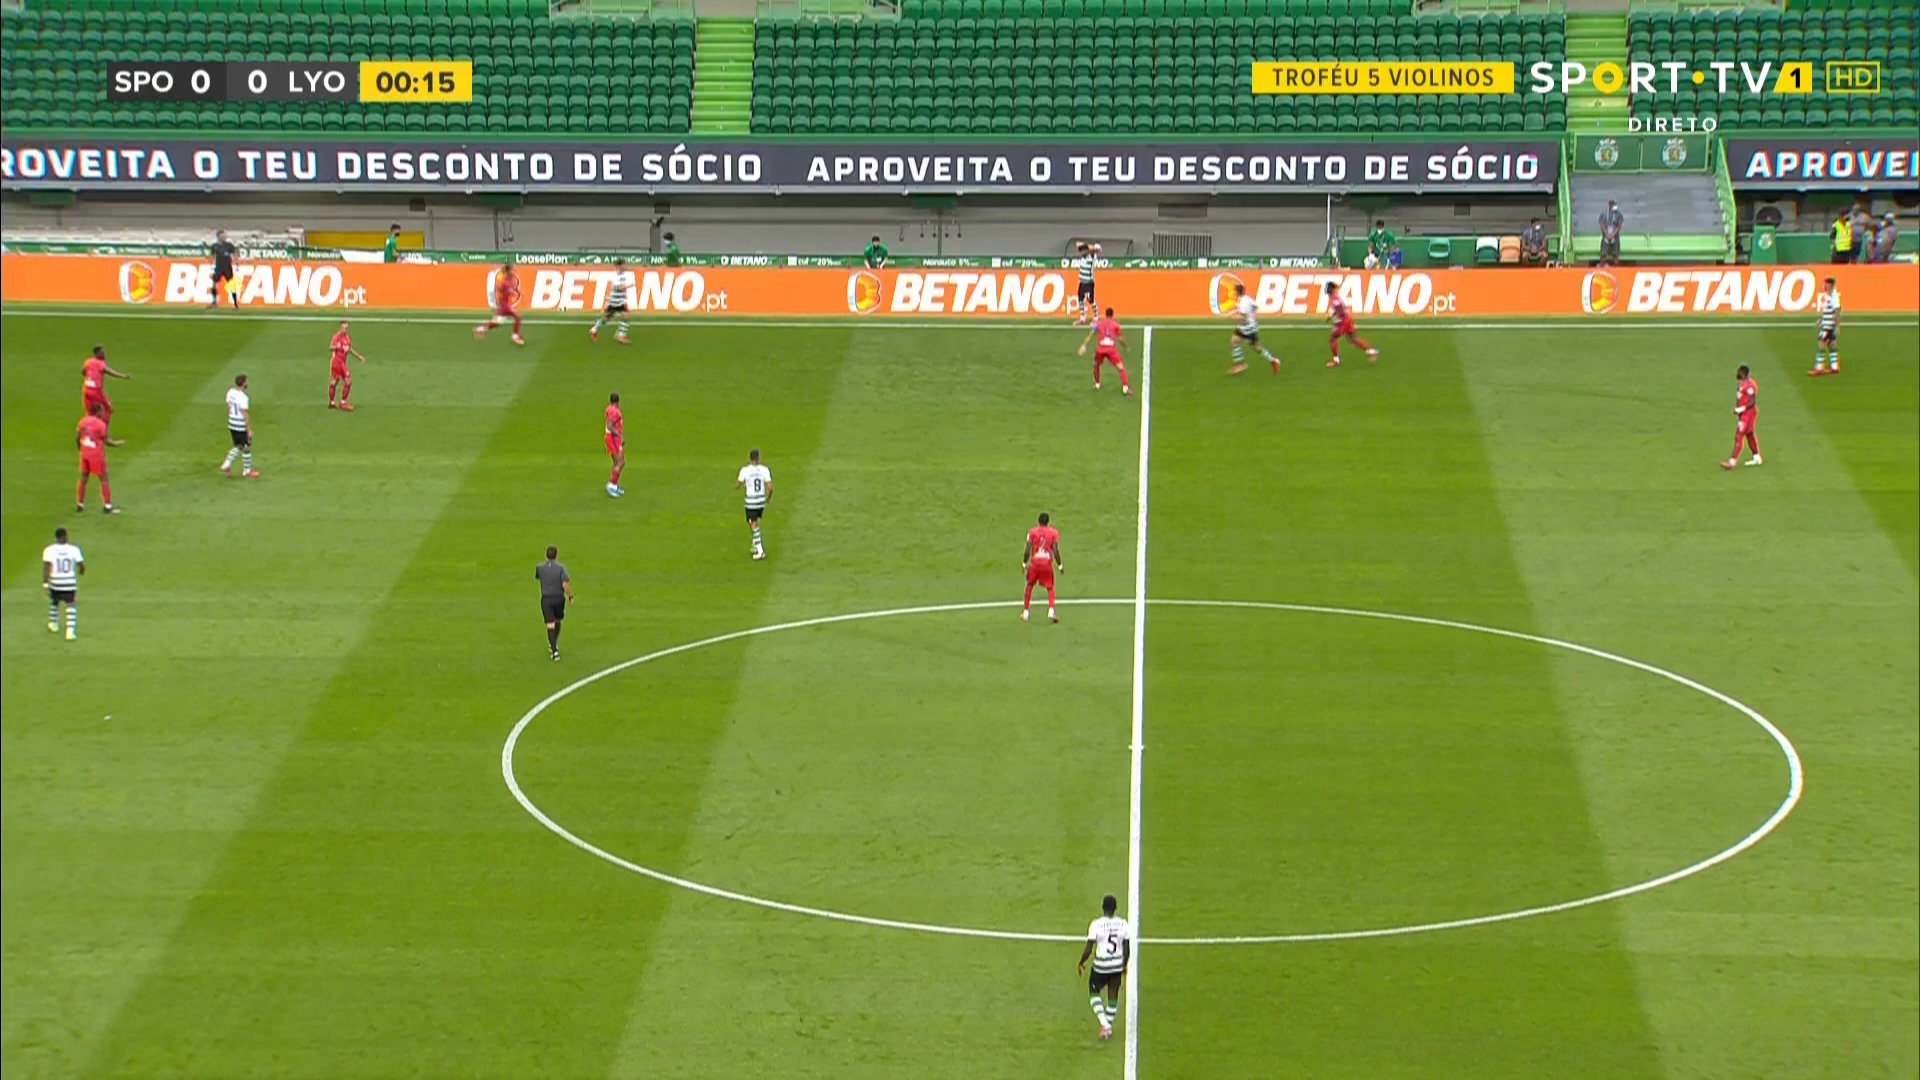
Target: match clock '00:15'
x=429, y=81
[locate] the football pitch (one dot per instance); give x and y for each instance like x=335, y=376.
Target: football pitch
x=262, y=818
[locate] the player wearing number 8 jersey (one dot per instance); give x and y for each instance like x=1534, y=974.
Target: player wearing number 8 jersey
x=757, y=483
x=1110, y=947
x=1041, y=560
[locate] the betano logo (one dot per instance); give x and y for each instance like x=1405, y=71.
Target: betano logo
x=682, y=291
x=137, y=282
x=1599, y=292
x=1699, y=292
x=963, y=292
x=1220, y=297
x=1408, y=293
x=865, y=292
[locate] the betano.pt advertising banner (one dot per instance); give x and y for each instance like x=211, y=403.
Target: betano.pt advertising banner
x=728, y=166
x=819, y=292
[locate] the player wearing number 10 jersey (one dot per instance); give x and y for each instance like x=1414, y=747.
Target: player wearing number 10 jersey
x=1041, y=560
x=1110, y=947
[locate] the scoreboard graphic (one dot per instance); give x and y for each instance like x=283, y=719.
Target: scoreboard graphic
x=430, y=82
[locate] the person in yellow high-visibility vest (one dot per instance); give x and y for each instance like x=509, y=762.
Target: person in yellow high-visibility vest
x=1843, y=238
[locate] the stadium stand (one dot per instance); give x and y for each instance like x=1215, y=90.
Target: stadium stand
x=1126, y=67
x=532, y=72
x=1883, y=30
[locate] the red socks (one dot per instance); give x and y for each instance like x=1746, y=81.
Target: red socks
x=80, y=499
x=1028, y=601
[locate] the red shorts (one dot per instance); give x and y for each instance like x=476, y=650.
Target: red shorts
x=93, y=465
x=340, y=370
x=1040, y=573
x=1744, y=427
x=1343, y=329
x=89, y=398
x=1107, y=354
x=615, y=445
x=505, y=311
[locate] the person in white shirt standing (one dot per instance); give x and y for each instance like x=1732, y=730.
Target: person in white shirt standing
x=240, y=426
x=1110, y=946
x=619, y=301
x=757, y=482
x=61, y=565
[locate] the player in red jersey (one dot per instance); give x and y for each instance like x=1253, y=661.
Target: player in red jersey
x=616, y=445
x=342, y=378
x=1342, y=318
x=1746, y=415
x=1111, y=338
x=90, y=436
x=94, y=373
x=506, y=304
x=1041, y=560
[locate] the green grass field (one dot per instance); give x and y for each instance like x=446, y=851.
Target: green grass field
x=256, y=824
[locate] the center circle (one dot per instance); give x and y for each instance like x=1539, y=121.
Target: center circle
x=1795, y=776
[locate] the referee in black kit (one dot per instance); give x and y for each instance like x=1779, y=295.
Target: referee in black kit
x=556, y=592
x=223, y=251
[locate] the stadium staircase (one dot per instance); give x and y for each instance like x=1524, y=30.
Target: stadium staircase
x=1670, y=217
x=1594, y=39
x=722, y=76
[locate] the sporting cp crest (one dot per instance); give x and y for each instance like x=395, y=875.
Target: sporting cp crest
x=1674, y=154
x=1607, y=154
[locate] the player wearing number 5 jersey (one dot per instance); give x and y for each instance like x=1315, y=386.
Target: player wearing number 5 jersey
x=757, y=482
x=1041, y=560
x=1110, y=947
x=61, y=565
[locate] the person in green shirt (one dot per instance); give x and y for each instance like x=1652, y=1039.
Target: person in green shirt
x=669, y=249
x=392, y=250
x=876, y=254
x=1380, y=241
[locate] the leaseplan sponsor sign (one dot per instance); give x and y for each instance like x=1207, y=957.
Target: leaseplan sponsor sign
x=800, y=167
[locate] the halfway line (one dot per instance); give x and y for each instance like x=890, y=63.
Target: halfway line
x=1138, y=743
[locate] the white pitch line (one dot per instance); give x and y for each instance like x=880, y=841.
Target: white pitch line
x=1138, y=744
x=1795, y=772
x=31, y=310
